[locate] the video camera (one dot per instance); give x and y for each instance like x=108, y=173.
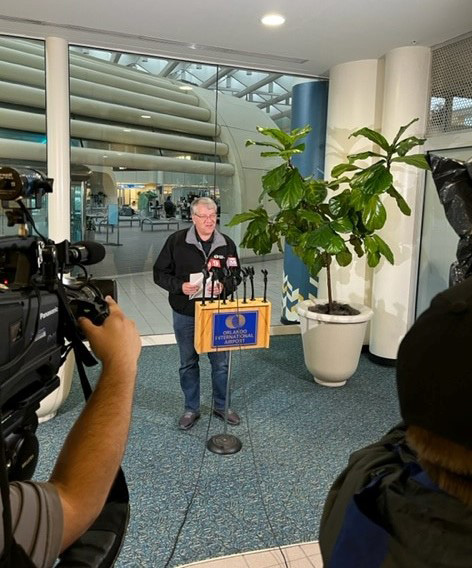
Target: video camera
x=40, y=303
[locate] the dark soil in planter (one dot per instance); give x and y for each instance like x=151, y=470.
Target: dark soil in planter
x=338, y=309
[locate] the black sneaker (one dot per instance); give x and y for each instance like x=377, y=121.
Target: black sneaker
x=188, y=419
x=233, y=418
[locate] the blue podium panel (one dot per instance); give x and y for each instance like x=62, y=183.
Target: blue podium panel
x=231, y=329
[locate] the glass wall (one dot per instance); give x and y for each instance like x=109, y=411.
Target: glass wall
x=22, y=116
x=147, y=136
x=151, y=134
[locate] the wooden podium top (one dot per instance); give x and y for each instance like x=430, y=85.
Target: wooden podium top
x=232, y=325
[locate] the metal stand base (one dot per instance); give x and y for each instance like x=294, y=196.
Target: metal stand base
x=224, y=444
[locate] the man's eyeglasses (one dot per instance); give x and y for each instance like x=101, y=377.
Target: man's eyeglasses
x=211, y=217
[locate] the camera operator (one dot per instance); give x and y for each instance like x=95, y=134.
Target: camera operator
x=48, y=517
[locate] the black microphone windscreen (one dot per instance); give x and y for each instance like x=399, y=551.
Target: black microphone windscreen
x=90, y=252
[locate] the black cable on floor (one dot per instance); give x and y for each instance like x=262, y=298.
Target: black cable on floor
x=251, y=445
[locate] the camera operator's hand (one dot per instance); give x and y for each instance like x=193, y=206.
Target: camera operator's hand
x=116, y=342
x=94, y=448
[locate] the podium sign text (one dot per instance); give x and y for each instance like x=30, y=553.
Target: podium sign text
x=232, y=325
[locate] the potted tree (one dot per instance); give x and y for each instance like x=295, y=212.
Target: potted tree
x=326, y=221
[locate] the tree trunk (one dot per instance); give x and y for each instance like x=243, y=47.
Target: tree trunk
x=330, y=293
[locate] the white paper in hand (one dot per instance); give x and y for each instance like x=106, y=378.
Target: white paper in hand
x=197, y=278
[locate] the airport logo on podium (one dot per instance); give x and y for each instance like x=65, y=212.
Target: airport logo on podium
x=231, y=329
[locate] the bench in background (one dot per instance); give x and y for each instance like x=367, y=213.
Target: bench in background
x=168, y=224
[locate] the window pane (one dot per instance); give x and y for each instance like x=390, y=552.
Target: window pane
x=22, y=121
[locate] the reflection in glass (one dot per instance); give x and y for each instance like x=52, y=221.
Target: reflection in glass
x=22, y=115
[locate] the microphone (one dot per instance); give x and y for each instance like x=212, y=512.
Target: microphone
x=215, y=272
x=86, y=253
x=226, y=274
x=206, y=275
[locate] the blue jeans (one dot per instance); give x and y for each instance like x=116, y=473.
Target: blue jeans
x=189, y=371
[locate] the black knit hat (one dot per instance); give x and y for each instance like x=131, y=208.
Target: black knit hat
x=434, y=367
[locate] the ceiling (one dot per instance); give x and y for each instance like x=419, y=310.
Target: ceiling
x=317, y=34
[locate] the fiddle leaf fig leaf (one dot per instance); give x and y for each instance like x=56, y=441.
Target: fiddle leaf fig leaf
x=402, y=204
x=339, y=204
x=374, y=214
x=271, y=154
x=291, y=193
x=276, y=134
x=373, y=136
x=370, y=244
x=344, y=258
x=342, y=225
x=373, y=259
x=358, y=199
x=311, y=216
x=383, y=248
x=326, y=239
x=273, y=179
x=374, y=180
x=342, y=168
x=417, y=160
x=402, y=130
x=362, y=156
x=266, y=144
x=357, y=244
x=406, y=145
x=247, y=216
x=316, y=192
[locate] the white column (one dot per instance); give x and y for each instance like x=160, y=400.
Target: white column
x=406, y=96
x=58, y=137
x=354, y=101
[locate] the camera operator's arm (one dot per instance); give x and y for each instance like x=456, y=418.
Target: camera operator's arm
x=94, y=448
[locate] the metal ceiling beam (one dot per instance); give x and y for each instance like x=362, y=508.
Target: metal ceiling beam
x=171, y=65
x=281, y=114
x=261, y=83
x=223, y=72
x=275, y=100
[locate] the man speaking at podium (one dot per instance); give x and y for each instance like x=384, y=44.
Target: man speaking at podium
x=179, y=269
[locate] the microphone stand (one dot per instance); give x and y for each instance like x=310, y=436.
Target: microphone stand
x=245, y=275
x=265, y=272
x=226, y=444
x=206, y=274
x=226, y=275
x=213, y=276
x=251, y=280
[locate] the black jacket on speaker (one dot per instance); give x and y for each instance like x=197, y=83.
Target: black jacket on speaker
x=182, y=255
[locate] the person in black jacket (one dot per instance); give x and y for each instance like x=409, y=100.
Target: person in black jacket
x=406, y=500
x=187, y=252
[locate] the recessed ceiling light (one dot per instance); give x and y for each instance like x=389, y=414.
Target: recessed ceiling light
x=145, y=116
x=126, y=129
x=185, y=88
x=272, y=20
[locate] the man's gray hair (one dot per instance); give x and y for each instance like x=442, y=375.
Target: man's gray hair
x=205, y=201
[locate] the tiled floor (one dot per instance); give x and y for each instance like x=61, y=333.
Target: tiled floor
x=306, y=555
x=147, y=304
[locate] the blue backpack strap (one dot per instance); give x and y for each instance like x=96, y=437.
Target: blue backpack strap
x=361, y=542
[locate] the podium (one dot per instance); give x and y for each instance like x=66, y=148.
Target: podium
x=229, y=326
x=232, y=325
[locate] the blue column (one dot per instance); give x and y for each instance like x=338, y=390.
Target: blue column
x=309, y=106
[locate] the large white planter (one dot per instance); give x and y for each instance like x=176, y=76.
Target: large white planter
x=332, y=344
